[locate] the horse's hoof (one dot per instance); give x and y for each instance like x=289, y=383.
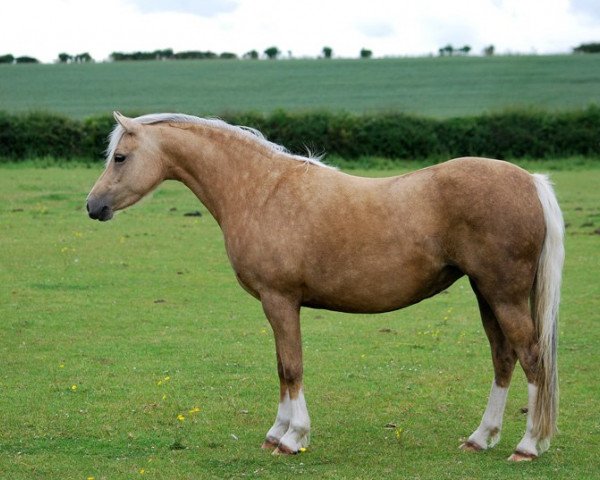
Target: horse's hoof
x=522, y=457
x=469, y=446
x=283, y=450
x=269, y=444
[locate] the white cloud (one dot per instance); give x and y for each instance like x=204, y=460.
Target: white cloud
x=43, y=28
x=376, y=28
x=204, y=8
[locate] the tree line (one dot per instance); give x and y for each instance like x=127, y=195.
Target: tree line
x=9, y=58
x=168, y=54
x=62, y=58
x=271, y=53
x=587, y=48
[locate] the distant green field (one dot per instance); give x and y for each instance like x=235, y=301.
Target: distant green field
x=111, y=331
x=438, y=87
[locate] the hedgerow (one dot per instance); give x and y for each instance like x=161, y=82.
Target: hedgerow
x=504, y=135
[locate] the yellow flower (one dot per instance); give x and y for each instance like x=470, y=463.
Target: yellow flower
x=62, y=365
x=399, y=433
x=302, y=449
x=90, y=478
x=180, y=417
x=194, y=410
x=142, y=471
x=73, y=387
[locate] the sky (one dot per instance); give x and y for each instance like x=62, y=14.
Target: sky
x=44, y=28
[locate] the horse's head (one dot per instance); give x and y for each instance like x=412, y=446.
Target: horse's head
x=133, y=168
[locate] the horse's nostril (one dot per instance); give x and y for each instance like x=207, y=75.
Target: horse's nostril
x=87, y=206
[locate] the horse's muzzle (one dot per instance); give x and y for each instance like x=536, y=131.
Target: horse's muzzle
x=99, y=211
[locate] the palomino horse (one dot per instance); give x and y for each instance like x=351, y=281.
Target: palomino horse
x=299, y=233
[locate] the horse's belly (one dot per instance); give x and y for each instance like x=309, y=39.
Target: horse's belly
x=383, y=291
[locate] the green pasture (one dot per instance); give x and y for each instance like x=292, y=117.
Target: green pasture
x=437, y=87
x=129, y=351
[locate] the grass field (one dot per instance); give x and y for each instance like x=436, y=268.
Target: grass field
x=438, y=87
x=111, y=331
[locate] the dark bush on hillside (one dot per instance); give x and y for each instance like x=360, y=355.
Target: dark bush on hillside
x=505, y=135
x=512, y=134
x=518, y=134
x=41, y=134
x=195, y=55
x=588, y=48
x=26, y=59
x=96, y=131
x=136, y=56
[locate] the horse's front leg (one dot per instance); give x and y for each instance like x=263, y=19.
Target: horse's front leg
x=290, y=432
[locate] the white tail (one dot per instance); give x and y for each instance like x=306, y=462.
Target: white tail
x=545, y=299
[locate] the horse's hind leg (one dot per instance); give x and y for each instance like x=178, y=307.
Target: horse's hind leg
x=517, y=324
x=290, y=431
x=510, y=306
x=504, y=359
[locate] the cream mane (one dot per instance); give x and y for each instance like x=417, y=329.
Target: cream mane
x=247, y=132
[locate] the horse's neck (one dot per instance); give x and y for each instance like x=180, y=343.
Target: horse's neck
x=226, y=172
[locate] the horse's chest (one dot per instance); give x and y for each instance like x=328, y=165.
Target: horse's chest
x=247, y=285
x=259, y=265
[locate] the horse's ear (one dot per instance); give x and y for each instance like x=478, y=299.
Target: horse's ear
x=127, y=123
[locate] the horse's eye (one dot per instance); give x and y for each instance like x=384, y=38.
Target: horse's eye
x=120, y=158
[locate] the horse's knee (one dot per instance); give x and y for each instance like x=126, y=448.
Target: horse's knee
x=528, y=358
x=504, y=359
x=290, y=374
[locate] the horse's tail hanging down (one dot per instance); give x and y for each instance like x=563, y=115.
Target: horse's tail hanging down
x=545, y=298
